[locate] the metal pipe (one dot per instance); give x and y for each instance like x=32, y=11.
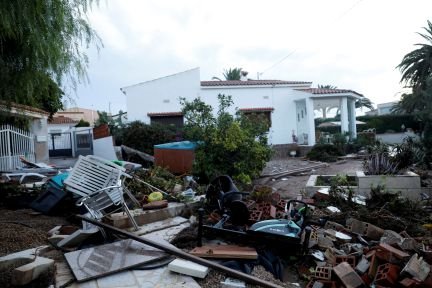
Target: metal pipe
x=179, y=253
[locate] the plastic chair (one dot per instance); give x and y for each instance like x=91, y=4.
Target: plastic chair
x=100, y=184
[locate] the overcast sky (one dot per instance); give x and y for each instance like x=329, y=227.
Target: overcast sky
x=351, y=44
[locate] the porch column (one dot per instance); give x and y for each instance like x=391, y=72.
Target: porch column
x=344, y=114
x=352, y=119
x=310, y=121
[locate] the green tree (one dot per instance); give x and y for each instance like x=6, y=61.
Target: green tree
x=416, y=69
x=416, y=66
x=234, y=145
x=143, y=137
x=41, y=46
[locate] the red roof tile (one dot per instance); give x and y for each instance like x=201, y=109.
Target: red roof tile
x=321, y=91
x=258, y=109
x=62, y=120
x=162, y=114
x=251, y=83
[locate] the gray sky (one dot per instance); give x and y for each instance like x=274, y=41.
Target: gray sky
x=351, y=44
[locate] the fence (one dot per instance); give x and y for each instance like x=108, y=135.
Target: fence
x=15, y=143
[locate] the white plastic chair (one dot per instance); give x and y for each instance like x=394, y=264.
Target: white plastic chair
x=99, y=182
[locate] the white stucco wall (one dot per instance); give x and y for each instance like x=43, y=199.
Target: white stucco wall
x=161, y=95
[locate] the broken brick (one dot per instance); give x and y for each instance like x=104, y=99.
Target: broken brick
x=351, y=260
x=398, y=253
x=348, y=276
x=323, y=272
x=417, y=268
x=387, y=274
x=408, y=282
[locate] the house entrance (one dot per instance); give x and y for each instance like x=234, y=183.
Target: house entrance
x=60, y=144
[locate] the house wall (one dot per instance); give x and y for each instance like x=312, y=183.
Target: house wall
x=39, y=128
x=282, y=99
x=161, y=95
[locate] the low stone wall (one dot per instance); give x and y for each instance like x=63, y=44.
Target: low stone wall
x=408, y=184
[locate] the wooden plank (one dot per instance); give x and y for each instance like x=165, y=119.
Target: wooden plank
x=225, y=251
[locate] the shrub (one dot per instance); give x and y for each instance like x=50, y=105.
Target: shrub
x=143, y=137
x=324, y=153
x=234, y=145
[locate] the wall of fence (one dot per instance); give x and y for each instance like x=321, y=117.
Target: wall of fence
x=15, y=143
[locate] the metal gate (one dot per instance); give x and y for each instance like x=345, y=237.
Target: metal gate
x=15, y=143
x=60, y=144
x=83, y=142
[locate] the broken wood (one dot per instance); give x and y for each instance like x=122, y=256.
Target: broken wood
x=225, y=251
x=184, y=255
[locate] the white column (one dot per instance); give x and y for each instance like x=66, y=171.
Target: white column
x=310, y=121
x=344, y=114
x=352, y=119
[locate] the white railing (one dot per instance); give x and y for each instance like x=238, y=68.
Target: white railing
x=15, y=143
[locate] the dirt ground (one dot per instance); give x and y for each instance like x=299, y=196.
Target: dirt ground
x=291, y=186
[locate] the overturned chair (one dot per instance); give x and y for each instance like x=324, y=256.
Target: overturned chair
x=99, y=182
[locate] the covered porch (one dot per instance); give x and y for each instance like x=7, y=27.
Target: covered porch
x=318, y=102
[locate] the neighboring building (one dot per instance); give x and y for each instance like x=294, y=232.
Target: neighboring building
x=289, y=105
x=382, y=109
x=60, y=124
x=76, y=113
x=385, y=108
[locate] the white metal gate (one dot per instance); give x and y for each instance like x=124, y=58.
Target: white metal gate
x=15, y=143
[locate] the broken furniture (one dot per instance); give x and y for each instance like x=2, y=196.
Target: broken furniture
x=100, y=184
x=54, y=193
x=235, y=221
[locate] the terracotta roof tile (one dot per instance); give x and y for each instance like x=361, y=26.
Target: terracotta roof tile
x=257, y=109
x=321, y=91
x=251, y=83
x=161, y=114
x=62, y=120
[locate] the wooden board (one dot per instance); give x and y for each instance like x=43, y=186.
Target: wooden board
x=225, y=251
x=110, y=258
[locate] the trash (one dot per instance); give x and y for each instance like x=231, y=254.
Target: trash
x=232, y=283
x=417, y=268
x=188, y=268
x=333, y=209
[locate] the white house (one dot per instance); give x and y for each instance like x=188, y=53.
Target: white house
x=290, y=105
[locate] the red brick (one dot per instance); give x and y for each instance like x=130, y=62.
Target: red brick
x=398, y=253
x=323, y=272
x=408, y=282
x=387, y=274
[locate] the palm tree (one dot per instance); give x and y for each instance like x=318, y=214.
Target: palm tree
x=326, y=86
x=232, y=74
x=416, y=66
x=364, y=102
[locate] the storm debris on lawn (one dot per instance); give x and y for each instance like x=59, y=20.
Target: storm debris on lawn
x=383, y=244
